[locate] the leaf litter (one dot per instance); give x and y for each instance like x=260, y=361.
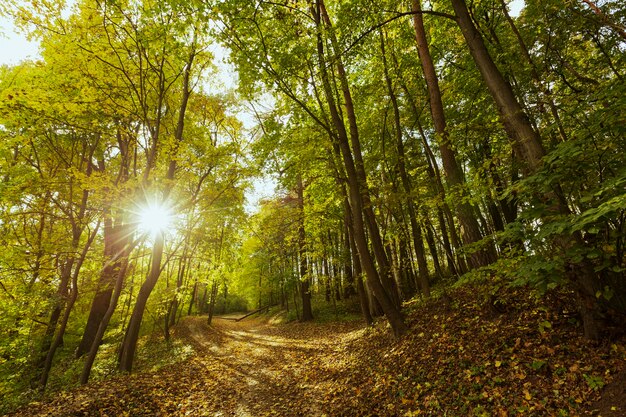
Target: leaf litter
x=460, y=358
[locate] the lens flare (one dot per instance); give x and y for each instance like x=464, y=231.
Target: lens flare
x=154, y=218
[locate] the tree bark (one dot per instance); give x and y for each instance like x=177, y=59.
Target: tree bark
x=516, y=123
x=117, y=290
x=212, y=300
x=418, y=242
x=357, y=187
x=305, y=280
x=545, y=90
x=437, y=186
x=349, y=287
x=58, y=339
x=527, y=143
x=356, y=261
x=465, y=212
x=127, y=351
x=113, y=242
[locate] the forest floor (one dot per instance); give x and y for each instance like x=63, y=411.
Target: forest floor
x=461, y=357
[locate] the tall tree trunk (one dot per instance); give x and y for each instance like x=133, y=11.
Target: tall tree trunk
x=114, y=241
x=127, y=351
x=349, y=287
x=465, y=212
x=212, y=300
x=432, y=248
x=171, y=317
x=50, y=344
x=58, y=339
x=184, y=266
x=357, y=187
x=418, y=242
x=61, y=297
x=525, y=139
x=104, y=323
x=436, y=184
x=305, y=280
x=356, y=261
x=384, y=269
x=527, y=143
x=545, y=89
x=192, y=300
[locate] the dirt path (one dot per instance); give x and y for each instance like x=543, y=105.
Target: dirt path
x=263, y=365
x=454, y=361
x=248, y=368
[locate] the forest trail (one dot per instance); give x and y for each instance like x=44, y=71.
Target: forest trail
x=471, y=361
x=247, y=368
x=266, y=367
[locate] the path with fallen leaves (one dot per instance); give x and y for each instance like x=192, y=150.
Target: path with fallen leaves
x=265, y=369
x=246, y=368
x=460, y=359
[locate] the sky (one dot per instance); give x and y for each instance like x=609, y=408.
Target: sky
x=14, y=47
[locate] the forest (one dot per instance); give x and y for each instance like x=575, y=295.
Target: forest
x=380, y=175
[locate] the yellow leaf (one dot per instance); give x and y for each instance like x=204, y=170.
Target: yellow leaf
x=498, y=363
x=527, y=395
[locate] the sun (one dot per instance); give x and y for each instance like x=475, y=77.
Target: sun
x=154, y=218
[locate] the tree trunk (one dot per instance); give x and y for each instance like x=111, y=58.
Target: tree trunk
x=113, y=242
x=185, y=260
x=57, y=308
x=545, y=90
x=465, y=212
x=349, y=288
x=526, y=141
x=436, y=185
x=212, y=300
x=529, y=148
x=193, y=297
x=58, y=339
x=127, y=351
x=384, y=270
x=49, y=345
x=117, y=290
x=418, y=242
x=356, y=261
x=305, y=280
x=432, y=247
x=357, y=186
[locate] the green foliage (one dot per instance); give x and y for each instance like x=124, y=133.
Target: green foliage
x=594, y=382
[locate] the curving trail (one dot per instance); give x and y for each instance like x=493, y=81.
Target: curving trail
x=454, y=361
x=248, y=368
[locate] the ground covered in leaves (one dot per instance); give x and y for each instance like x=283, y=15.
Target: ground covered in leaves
x=505, y=355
